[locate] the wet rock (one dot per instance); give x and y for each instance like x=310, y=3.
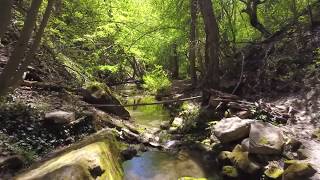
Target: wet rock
x=96, y=171
x=230, y=171
x=172, y=144
x=60, y=117
x=273, y=170
x=232, y=129
x=11, y=163
x=298, y=170
x=129, y=153
x=265, y=139
x=165, y=125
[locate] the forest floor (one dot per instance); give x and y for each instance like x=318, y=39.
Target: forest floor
x=305, y=126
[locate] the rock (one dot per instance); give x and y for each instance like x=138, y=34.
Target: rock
x=244, y=114
x=230, y=171
x=129, y=153
x=273, y=170
x=240, y=159
x=177, y=122
x=99, y=96
x=298, y=170
x=232, y=129
x=97, y=160
x=165, y=125
x=292, y=145
x=172, y=144
x=290, y=148
x=13, y=163
x=60, y=117
x=70, y=172
x=265, y=139
x=245, y=144
x=303, y=153
x=225, y=157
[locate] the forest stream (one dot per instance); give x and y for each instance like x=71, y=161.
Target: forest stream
x=156, y=164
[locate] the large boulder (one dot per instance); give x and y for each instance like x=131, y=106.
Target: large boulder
x=232, y=129
x=265, y=138
x=60, y=117
x=104, y=100
x=97, y=160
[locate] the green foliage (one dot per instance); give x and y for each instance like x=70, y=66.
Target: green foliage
x=157, y=80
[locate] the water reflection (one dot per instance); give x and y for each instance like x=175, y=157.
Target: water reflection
x=165, y=166
x=148, y=116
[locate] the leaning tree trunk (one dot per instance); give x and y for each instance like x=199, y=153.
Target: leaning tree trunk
x=251, y=10
x=5, y=15
x=192, y=43
x=18, y=53
x=36, y=43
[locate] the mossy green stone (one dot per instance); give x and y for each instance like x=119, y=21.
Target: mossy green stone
x=298, y=169
x=230, y=171
x=274, y=172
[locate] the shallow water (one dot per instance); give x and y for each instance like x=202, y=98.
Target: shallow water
x=147, y=116
x=167, y=166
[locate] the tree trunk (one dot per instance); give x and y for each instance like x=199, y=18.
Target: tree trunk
x=5, y=15
x=212, y=45
x=192, y=46
x=175, y=63
x=36, y=43
x=21, y=46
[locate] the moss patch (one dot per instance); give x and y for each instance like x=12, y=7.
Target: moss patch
x=103, y=155
x=274, y=171
x=230, y=171
x=298, y=169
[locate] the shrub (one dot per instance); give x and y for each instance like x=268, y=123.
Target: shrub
x=156, y=80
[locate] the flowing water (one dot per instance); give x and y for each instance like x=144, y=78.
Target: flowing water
x=158, y=165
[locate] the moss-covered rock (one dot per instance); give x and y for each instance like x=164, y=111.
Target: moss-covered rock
x=240, y=159
x=99, y=159
x=273, y=171
x=298, y=170
x=101, y=95
x=230, y=171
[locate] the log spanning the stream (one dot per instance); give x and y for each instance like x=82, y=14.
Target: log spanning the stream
x=148, y=104
x=169, y=101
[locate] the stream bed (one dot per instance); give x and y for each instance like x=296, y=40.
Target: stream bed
x=160, y=165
